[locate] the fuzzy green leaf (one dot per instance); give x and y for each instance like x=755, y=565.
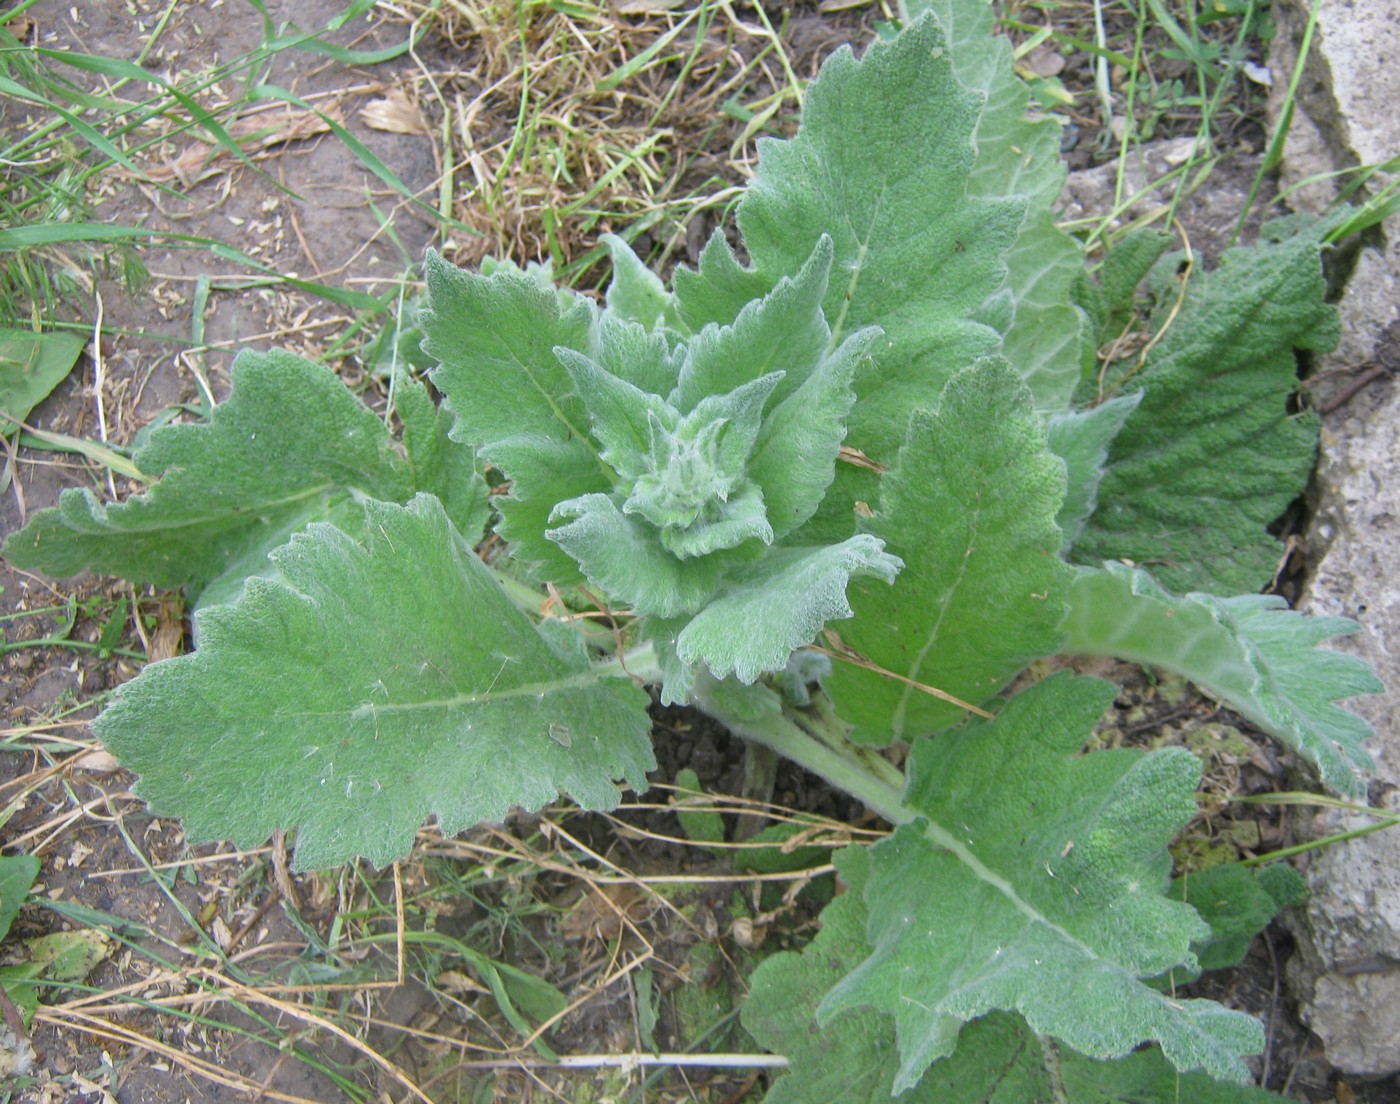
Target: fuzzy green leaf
x=736, y=417
x=794, y=458
x=852, y=1059
x=1252, y=652
x=970, y=508
x=1238, y=902
x=779, y=604
x=1081, y=438
x=744, y=519
x=784, y=331
x=1112, y=302
x=1046, y=338
x=636, y=292
x=880, y=163
x=622, y=557
x=494, y=339
x=1212, y=456
x=1049, y=901
x=544, y=472
x=290, y=445
x=441, y=466
x=366, y=688
x=620, y=413
x=644, y=359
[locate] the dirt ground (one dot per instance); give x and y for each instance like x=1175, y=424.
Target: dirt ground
x=219, y=976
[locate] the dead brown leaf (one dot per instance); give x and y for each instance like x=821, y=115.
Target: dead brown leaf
x=97, y=760
x=604, y=911
x=396, y=113
x=859, y=459
x=256, y=132
x=168, y=639
x=1043, y=62
x=458, y=983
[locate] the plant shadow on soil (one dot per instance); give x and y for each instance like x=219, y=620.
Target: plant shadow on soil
x=190, y=1001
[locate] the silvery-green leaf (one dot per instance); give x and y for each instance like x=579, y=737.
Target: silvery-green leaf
x=794, y=458
x=370, y=686
x=1045, y=336
x=494, y=339
x=970, y=507
x=543, y=471
x=779, y=603
x=1081, y=438
x=619, y=412
x=740, y=412
x=290, y=445
x=636, y=293
x=441, y=466
x=852, y=1058
x=881, y=164
x=625, y=559
x=1049, y=901
x=741, y=517
x=1251, y=651
x=783, y=331
x=643, y=358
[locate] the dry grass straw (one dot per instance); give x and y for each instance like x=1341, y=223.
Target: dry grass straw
x=579, y=118
x=186, y=1001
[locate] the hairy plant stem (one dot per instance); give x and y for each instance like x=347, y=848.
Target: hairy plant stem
x=814, y=738
x=814, y=742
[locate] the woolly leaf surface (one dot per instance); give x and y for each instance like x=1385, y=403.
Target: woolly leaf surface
x=366, y=688
x=1048, y=901
x=852, y=1058
x=1252, y=652
x=1018, y=153
x=644, y=358
x=970, y=508
x=636, y=293
x=441, y=466
x=494, y=339
x=780, y=603
x=784, y=331
x=544, y=471
x=1238, y=902
x=794, y=458
x=1081, y=438
x=620, y=413
x=881, y=163
x=289, y=446
x=623, y=557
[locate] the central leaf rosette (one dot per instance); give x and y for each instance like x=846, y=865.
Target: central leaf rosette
x=689, y=483
x=694, y=456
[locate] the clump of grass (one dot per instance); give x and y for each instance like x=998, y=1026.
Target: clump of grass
x=573, y=117
x=45, y=177
x=1144, y=70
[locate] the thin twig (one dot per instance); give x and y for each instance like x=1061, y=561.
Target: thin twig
x=635, y=1060
x=99, y=381
x=933, y=691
